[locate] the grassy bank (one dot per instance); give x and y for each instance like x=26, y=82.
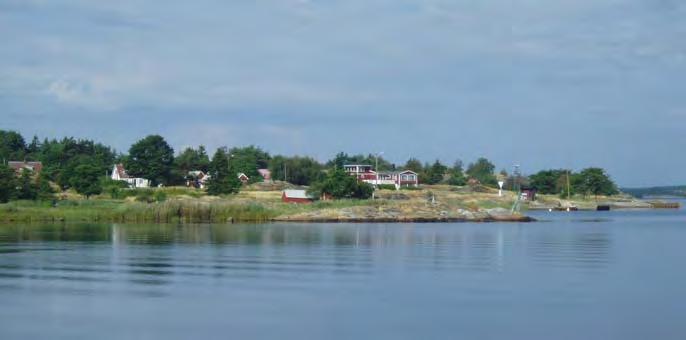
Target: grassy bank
x=182, y=205
x=181, y=210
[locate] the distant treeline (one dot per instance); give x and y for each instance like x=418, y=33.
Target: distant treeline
x=83, y=164
x=676, y=191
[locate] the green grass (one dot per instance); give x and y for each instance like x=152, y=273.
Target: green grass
x=122, y=211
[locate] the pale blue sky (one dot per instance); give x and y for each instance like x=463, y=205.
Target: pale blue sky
x=547, y=84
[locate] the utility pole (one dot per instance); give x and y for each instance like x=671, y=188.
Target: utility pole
x=568, y=186
x=516, y=188
x=376, y=167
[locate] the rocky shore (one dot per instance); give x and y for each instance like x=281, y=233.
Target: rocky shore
x=370, y=214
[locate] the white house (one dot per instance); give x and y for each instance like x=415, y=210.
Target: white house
x=197, y=179
x=119, y=174
x=364, y=173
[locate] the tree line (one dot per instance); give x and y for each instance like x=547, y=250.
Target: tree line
x=83, y=165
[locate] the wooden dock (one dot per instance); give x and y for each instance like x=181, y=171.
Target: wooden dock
x=665, y=205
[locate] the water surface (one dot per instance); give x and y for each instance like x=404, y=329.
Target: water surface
x=583, y=275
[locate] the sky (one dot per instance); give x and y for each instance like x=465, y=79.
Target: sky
x=540, y=83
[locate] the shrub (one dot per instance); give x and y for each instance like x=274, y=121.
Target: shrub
x=144, y=196
x=160, y=196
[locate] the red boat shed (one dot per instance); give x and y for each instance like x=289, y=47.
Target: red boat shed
x=295, y=196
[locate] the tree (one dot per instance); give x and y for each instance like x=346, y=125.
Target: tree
x=296, y=170
x=7, y=183
x=595, y=181
x=343, y=158
x=435, y=173
x=223, y=179
x=188, y=160
x=457, y=174
x=26, y=187
x=415, y=165
x=12, y=146
x=248, y=159
x=339, y=184
x=151, y=158
x=45, y=191
x=483, y=171
x=86, y=180
x=60, y=158
x=549, y=181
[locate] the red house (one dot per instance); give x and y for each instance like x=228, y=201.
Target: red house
x=295, y=196
x=19, y=167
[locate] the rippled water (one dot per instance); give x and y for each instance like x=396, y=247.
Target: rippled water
x=611, y=275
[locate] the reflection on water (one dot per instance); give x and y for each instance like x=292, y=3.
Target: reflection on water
x=308, y=277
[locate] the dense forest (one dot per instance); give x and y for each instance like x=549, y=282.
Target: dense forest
x=84, y=165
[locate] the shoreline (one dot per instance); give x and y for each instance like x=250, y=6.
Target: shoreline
x=430, y=204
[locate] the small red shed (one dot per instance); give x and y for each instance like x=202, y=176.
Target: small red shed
x=295, y=196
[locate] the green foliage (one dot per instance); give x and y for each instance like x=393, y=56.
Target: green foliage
x=343, y=158
x=596, y=182
x=145, y=195
x=223, y=179
x=550, y=181
x=190, y=159
x=12, y=146
x=457, y=176
x=116, y=189
x=435, y=173
x=415, y=165
x=339, y=184
x=27, y=189
x=296, y=170
x=386, y=187
x=151, y=158
x=45, y=191
x=160, y=196
x=61, y=157
x=247, y=160
x=483, y=171
x=86, y=180
x=150, y=195
x=7, y=183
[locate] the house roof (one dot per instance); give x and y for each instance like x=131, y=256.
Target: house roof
x=397, y=172
x=265, y=173
x=294, y=193
x=21, y=165
x=243, y=175
x=119, y=168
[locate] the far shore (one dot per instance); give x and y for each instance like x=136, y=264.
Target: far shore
x=260, y=203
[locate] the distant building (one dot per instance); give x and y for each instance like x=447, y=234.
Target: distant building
x=364, y=173
x=528, y=194
x=243, y=178
x=119, y=174
x=20, y=166
x=296, y=196
x=197, y=179
x=266, y=174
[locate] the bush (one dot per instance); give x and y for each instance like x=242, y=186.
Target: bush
x=160, y=196
x=144, y=196
x=386, y=187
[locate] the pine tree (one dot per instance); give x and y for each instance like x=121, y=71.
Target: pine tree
x=223, y=177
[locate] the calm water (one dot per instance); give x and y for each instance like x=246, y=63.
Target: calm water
x=616, y=275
